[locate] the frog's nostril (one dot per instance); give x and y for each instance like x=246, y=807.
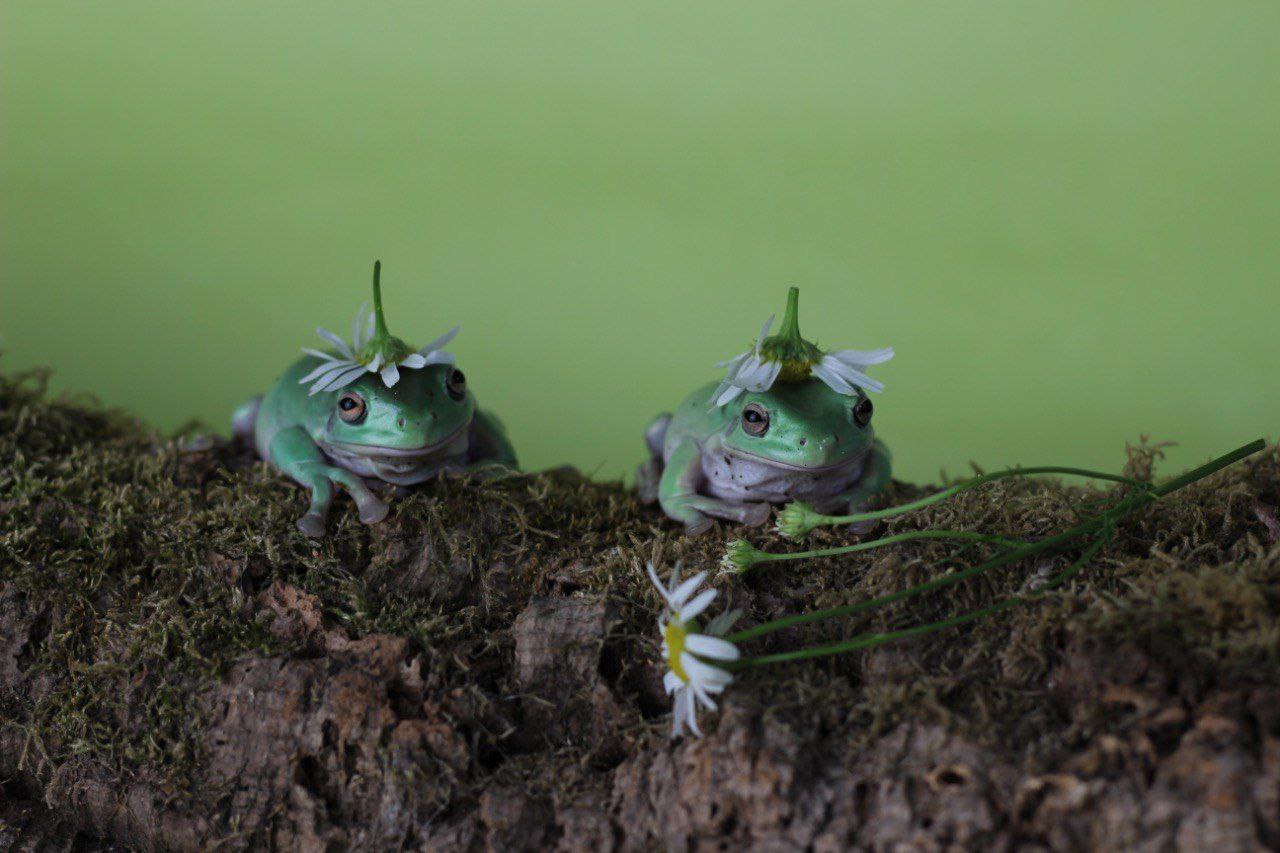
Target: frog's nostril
x=400, y=422
x=803, y=442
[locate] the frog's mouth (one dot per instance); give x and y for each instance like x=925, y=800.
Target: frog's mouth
x=848, y=462
x=375, y=451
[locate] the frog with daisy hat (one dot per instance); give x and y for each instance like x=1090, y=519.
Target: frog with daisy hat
x=372, y=412
x=788, y=422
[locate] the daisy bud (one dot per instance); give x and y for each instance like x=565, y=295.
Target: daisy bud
x=739, y=555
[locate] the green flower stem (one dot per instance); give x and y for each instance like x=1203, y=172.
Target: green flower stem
x=864, y=641
x=936, y=497
x=790, y=327
x=1100, y=522
x=908, y=536
x=380, y=332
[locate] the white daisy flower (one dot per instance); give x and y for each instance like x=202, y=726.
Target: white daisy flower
x=372, y=350
x=690, y=680
x=747, y=372
x=788, y=357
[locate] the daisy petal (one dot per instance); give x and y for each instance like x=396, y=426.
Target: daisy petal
x=413, y=361
x=829, y=376
x=730, y=394
x=681, y=593
x=711, y=647
x=331, y=371
x=733, y=363
x=704, y=673
x=439, y=357
x=691, y=714
x=439, y=342
x=700, y=603
x=862, y=358
x=671, y=682
x=704, y=699
x=720, y=625
x=336, y=341
x=324, y=367
x=390, y=375
x=758, y=375
x=850, y=376
x=764, y=333
x=319, y=354
x=662, y=590
x=357, y=328
x=342, y=380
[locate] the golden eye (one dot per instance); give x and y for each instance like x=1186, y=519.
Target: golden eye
x=862, y=411
x=755, y=419
x=351, y=407
x=456, y=384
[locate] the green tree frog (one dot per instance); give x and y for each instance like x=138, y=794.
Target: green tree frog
x=373, y=413
x=788, y=422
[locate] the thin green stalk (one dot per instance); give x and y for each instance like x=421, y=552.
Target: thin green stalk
x=908, y=536
x=864, y=641
x=380, y=321
x=951, y=491
x=1013, y=556
x=1102, y=521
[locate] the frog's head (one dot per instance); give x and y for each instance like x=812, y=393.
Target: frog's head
x=426, y=410
x=804, y=425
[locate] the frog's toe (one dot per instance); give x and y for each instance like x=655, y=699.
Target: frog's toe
x=312, y=525
x=757, y=514
x=373, y=511
x=699, y=527
x=648, y=476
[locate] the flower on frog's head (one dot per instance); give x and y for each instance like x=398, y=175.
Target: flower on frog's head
x=373, y=349
x=788, y=357
x=690, y=680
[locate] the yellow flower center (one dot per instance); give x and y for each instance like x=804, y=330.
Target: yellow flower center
x=674, y=633
x=795, y=371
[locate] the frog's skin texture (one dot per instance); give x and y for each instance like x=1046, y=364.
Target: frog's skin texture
x=408, y=434
x=706, y=464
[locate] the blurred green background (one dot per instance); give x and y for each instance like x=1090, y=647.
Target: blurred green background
x=1065, y=217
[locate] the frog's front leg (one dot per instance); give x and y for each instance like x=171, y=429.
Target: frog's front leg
x=295, y=454
x=490, y=452
x=679, y=497
x=875, y=476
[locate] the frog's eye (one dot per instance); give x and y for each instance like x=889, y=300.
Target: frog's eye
x=456, y=384
x=351, y=407
x=755, y=419
x=862, y=411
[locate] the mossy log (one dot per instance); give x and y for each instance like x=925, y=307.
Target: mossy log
x=181, y=669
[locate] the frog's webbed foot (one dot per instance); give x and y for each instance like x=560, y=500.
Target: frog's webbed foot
x=648, y=476
x=700, y=526
x=321, y=481
x=757, y=514
x=384, y=489
x=697, y=512
x=852, y=503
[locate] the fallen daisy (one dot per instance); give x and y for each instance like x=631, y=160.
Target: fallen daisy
x=690, y=680
x=373, y=349
x=788, y=357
